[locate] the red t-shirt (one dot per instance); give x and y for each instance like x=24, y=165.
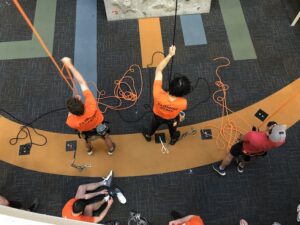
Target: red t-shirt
x=67, y=213
x=195, y=220
x=258, y=141
x=163, y=107
x=91, y=118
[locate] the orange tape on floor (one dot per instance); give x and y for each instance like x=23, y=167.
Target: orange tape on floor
x=134, y=156
x=151, y=41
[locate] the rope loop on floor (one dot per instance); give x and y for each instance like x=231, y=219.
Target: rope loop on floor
x=228, y=132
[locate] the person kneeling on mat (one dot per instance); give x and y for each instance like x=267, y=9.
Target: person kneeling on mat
x=92, y=199
x=86, y=117
x=168, y=105
x=254, y=143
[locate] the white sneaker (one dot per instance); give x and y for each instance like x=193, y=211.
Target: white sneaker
x=276, y=223
x=108, y=179
x=90, y=151
x=106, y=198
x=120, y=196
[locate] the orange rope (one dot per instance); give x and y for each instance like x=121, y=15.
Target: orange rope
x=279, y=108
x=124, y=91
x=22, y=12
x=129, y=95
x=228, y=132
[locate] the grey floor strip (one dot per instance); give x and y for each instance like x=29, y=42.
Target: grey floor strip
x=193, y=30
x=85, y=56
x=44, y=22
x=237, y=30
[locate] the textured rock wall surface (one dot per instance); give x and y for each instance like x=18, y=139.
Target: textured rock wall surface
x=132, y=9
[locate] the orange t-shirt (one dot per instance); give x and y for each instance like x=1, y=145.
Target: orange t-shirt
x=196, y=220
x=91, y=117
x=67, y=213
x=163, y=107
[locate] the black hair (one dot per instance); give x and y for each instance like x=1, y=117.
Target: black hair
x=79, y=205
x=180, y=86
x=270, y=124
x=75, y=106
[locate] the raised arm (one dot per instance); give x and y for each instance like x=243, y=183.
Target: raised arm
x=104, y=212
x=68, y=63
x=164, y=63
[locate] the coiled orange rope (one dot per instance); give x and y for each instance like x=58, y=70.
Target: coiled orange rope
x=228, y=132
x=124, y=90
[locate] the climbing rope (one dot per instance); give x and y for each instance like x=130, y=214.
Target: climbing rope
x=124, y=89
x=228, y=132
x=174, y=38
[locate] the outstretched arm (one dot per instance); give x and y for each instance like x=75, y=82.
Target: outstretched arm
x=68, y=63
x=84, y=188
x=104, y=212
x=164, y=63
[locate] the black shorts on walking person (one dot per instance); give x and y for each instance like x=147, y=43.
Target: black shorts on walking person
x=237, y=151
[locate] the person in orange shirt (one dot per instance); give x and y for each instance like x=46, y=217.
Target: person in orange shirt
x=187, y=220
x=86, y=117
x=168, y=106
x=83, y=206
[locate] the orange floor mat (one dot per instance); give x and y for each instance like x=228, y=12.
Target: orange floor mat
x=151, y=41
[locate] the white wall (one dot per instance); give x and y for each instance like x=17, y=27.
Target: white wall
x=11, y=216
x=132, y=9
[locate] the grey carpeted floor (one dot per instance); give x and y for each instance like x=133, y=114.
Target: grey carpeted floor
x=277, y=47
x=269, y=189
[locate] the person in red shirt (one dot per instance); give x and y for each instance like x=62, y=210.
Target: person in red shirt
x=187, y=220
x=83, y=206
x=168, y=106
x=254, y=143
x=86, y=117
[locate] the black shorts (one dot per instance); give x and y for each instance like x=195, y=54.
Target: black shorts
x=237, y=151
x=92, y=133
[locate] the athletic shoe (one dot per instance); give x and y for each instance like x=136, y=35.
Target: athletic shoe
x=146, y=136
x=120, y=195
x=106, y=198
x=111, y=151
x=108, y=179
x=218, y=170
x=177, y=136
x=276, y=223
x=34, y=205
x=298, y=211
x=90, y=151
x=239, y=168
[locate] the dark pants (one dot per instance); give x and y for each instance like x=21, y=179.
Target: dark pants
x=237, y=151
x=157, y=121
x=15, y=204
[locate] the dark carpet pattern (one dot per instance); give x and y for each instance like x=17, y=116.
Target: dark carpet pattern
x=268, y=190
x=277, y=47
